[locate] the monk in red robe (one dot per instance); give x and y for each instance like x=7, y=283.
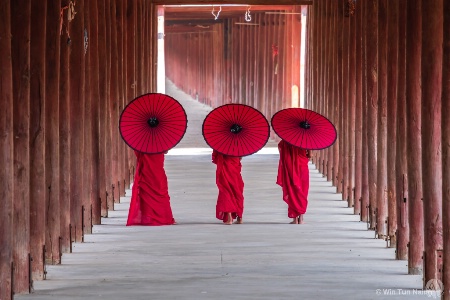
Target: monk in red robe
x=230, y=202
x=150, y=201
x=293, y=177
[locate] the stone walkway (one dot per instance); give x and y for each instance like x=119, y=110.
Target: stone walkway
x=332, y=256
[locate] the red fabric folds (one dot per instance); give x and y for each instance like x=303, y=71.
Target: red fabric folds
x=230, y=184
x=293, y=177
x=150, y=201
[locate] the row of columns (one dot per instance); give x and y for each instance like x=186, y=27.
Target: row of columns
x=67, y=70
x=380, y=71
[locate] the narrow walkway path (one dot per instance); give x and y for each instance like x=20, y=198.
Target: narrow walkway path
x=332, y=256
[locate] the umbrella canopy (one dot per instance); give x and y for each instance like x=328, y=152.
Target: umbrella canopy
x=153, y=123
x=304, y=128
x=236, y=129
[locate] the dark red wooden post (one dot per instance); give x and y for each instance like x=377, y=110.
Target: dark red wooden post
x=77, y=99
x=121, y=89
x=339, y=162
x=372, y=105
x=114, y=102
x=88, y=179
x=381, y=143
x=20, y=29
x=358, y=109
x=37, y=141
x=432, y=30
x=101, y=103
x=352, y=111
x=331, y=84
x=131, y=72
x=94, y=93
x=336, y=99
x=414, y=135
x=401, y=144
x=391, y=126
x=6, y=155
x=64, y=135
x=52, y=167
x=345, y=117
x=445, y=149
x=365, y=215
x=121, y=38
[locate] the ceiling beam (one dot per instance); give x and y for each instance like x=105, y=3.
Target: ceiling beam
x=224, y=2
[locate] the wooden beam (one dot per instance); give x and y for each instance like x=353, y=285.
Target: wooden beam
x=224, y=2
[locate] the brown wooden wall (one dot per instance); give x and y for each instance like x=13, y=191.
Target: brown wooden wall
x=67, y=70
x=227, y=62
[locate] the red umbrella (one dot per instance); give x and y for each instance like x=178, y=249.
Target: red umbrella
x=236, y=129
x=304, y=128
x=153, y=123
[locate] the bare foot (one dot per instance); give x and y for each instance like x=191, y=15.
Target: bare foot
x=229, y=219
x=300, y=220
x=294, y=221
x=238, y=220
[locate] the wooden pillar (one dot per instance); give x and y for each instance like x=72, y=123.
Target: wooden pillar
x=37, y=140
x=64, y=135
x=94, y=92
x=391, y=125
x=76, y=102
x=432, y=52
x=114, y=103
x=365, y=214
x=345, y=117
x=121, y=46
x=107, y=109
x=102, y=49
x=322, y=155
x=358, y=109
x=88, y=179
x=336, y=99
x=20, y=29
x=331, y=85
x=131, y=71
x=445, y=150
x=381, y=143
x=6, y=155
x=52, y=161
x=153, y=39
x=372, y=105
x=414, y=135
x=340, y=96
x=352, y=111
x=401, y=171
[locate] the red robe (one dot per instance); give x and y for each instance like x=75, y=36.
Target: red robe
x=293, y=177
x=150, y=201
x=230, y=184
